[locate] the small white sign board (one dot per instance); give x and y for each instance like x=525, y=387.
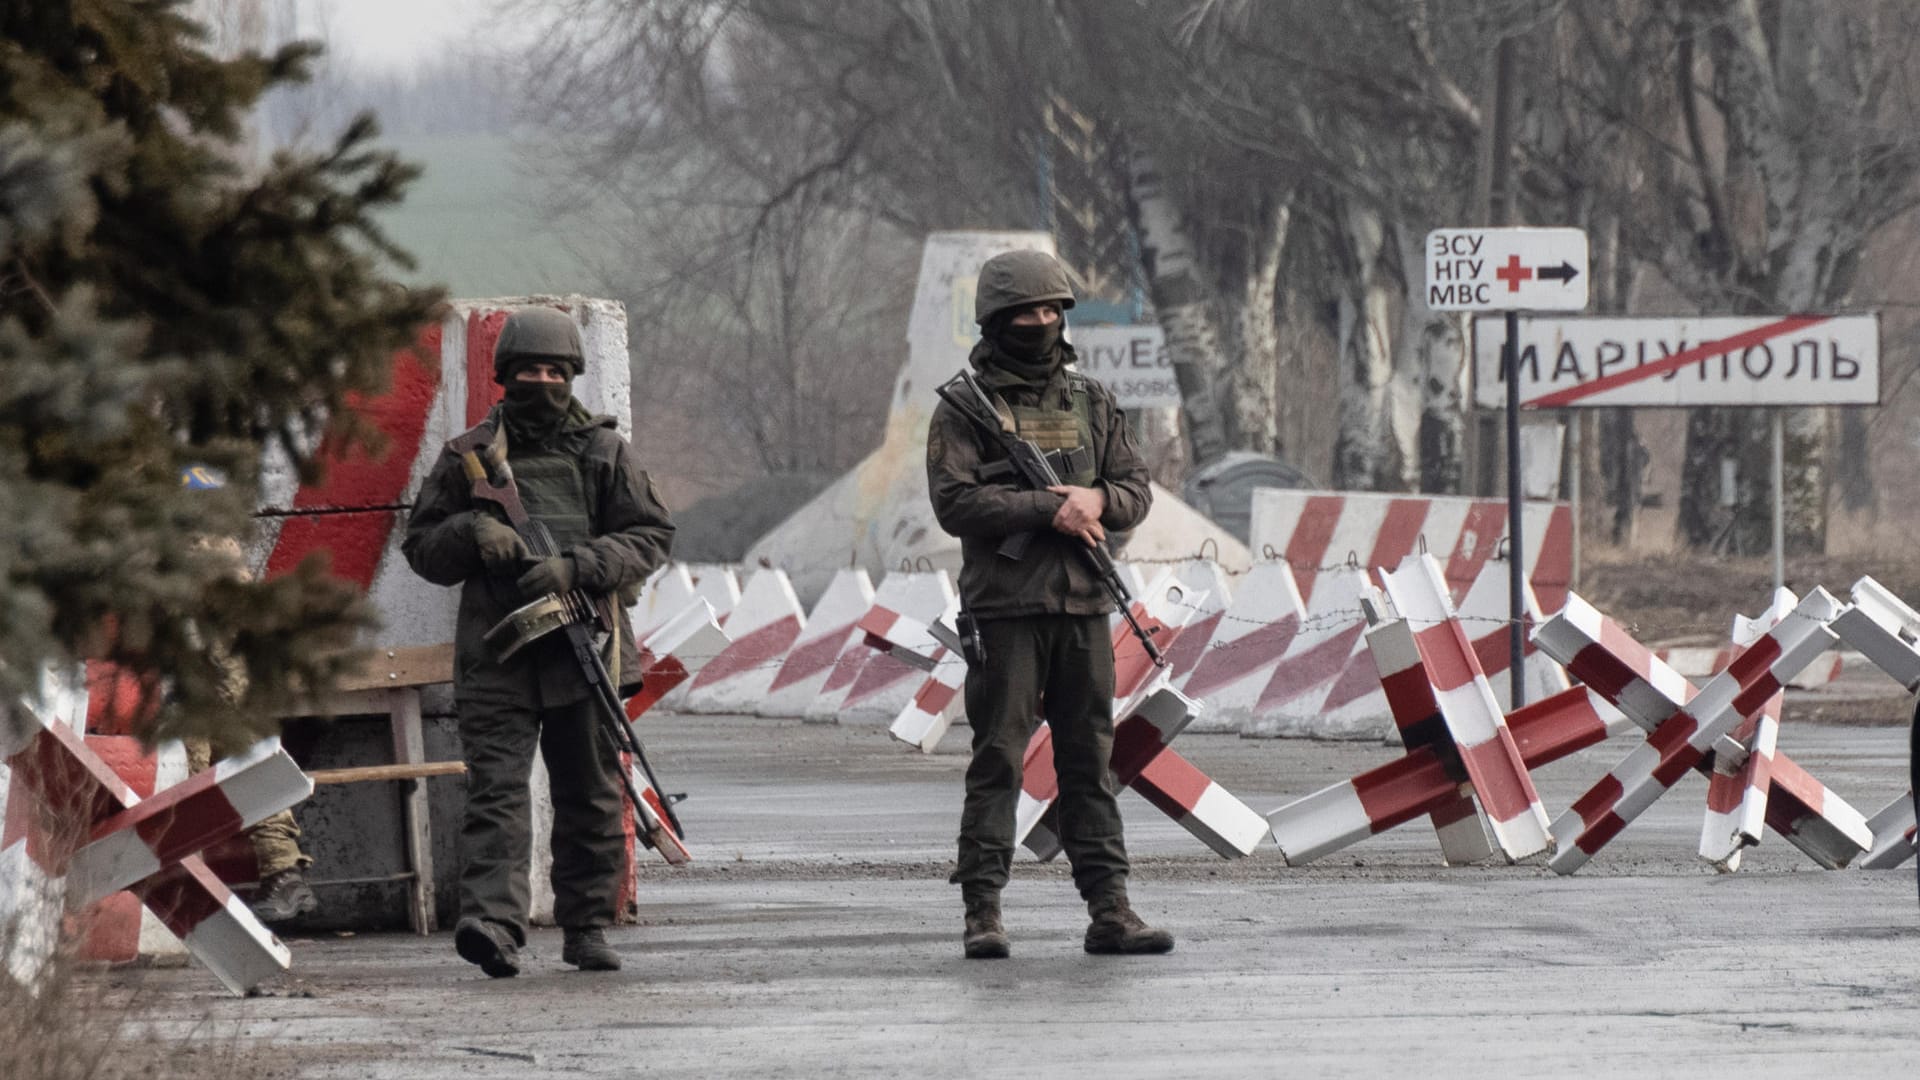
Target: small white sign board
x=1131, y=360
x=1507, y=269
x=1607, y=361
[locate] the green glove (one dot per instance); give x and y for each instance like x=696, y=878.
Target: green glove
x=500, y=547
x=548, y=576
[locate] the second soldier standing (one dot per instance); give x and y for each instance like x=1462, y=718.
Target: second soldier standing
x=1042, y=618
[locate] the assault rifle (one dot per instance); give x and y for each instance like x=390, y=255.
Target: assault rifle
x=1034, y=468
x=577, y=616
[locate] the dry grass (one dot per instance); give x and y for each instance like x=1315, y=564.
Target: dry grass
x=1691, y=599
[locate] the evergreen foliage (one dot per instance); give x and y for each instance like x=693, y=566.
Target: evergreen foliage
x=162, y=306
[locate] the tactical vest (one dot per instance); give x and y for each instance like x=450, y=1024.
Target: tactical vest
x=554, y=491
x=1062, y=430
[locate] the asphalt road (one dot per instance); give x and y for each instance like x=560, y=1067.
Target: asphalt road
x=816, y=937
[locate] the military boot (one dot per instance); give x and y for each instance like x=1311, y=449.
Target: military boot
x=985, y=939
x=587, y=949
x=284, y=896
x=1116, y=930
x=488, y=944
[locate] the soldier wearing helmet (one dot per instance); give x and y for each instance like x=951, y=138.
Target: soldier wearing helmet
x=579, y=477
x=1042, y=619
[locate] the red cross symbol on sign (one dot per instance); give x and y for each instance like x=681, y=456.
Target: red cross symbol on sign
x=1513, y=273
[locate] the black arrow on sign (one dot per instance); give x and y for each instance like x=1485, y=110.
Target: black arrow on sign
x=1564, y=272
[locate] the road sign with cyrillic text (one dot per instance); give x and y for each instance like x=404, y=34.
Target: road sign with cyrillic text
x=1515, y=269
x=1604, y=361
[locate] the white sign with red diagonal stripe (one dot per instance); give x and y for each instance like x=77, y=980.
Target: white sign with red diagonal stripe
x=1604, y=361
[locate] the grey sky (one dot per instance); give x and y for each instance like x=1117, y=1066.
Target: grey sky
x=393, y=34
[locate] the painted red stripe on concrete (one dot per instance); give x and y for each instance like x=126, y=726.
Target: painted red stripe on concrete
x=1355, y=681
x=1187, y=649
x=1598, y=801
x=847, y=667
x=1409, y=697
x=877, y=623
x=812, y=657
x=1447, y=655
x=934, y=697
x=877, y=675
x=483, y=330
x=1554, y=727
x=1479, y=537
x=759, y=649
x=1135, y=742
x=1228, y=662
x=1602, y=831
x=1399, y=531
x=1677, y=361
x=1499, y=778
x=1598, y=667
x=1551, y=574
x=358, y=478
x=1404, y=789
x=179, y=825
x=658, y=675
x=1676, y=765
x=1301, y=673
x=1788, y=779
x=1307, y=547
x=119, y=701
x=1493, y=651
x=184, y=895
x=1172, y=783
x=1036, y=767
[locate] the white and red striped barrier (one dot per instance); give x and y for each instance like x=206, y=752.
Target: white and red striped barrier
x=827, y=636
x=718, y=584
x=1312, y=531
x=1461, y=829
x=1425, y=782
x=1475, y=724
x=924, y=720
x=1739, y=782
x=666, y=594
x=184, y=819
x=1143, y=760
x=675, y=653
x=1881, y=627
x=764, y=625
x=1209, y=592
x=1683, y=729
x=1703, y=662
x=1894, y=836
x=881, y=685
x=1485, y=615
x=1150, y=713
x=1248, y=639
x=60, y=793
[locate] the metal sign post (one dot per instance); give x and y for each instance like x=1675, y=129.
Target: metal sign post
x=1510, y=270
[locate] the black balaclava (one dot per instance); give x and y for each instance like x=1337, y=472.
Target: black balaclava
x=535, y=410
x=1031, y=352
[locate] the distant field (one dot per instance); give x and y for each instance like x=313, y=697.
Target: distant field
x=472, y=224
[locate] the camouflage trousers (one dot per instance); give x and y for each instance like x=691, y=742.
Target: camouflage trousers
x=276, y=840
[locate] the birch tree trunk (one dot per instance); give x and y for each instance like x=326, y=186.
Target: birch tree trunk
x=1218, y=315
x=1788, y=79
x=1434, y=370
x=1374, y=449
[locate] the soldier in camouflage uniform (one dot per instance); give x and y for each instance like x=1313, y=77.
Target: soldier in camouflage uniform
x=1043, y=618
x=579, y=477
x=283, y=894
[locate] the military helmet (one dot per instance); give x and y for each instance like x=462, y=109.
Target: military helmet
x=538, y=333
x=1018, y=278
